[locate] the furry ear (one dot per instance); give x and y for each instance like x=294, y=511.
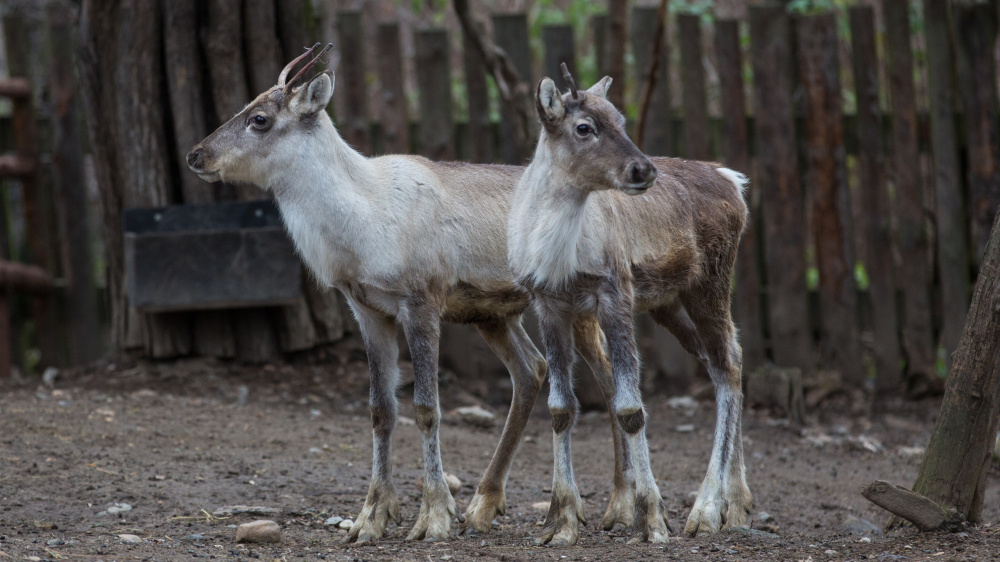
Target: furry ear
x=601, y=88
x=548, y=101
x=314, y=97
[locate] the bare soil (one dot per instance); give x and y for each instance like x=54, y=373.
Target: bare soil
x=179, y=441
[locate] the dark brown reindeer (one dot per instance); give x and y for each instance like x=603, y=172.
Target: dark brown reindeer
x=408, y=242
x=599, y=232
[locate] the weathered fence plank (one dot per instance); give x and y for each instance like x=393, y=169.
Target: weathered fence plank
x=391, y=97
x=781, y=190
x=559, y=47
x=511, y=34
x=657, y=137
x=953, y=262
x=264, y=51
x=614, y=50
x=735, y=153
x=434, y=83
x=354, y=123
x=480, y=131
x=976, y=39
x=693, y=88
x=599, y=27
x=876, y=249
x=914, y=265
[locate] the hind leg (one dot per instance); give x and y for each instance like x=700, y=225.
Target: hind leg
x=706, y=330
x=590, y=344
x=512, y=345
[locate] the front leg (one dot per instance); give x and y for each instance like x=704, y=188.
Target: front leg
x=566, y=513
x=615, y=317
x=421, y=323
x=381, y=505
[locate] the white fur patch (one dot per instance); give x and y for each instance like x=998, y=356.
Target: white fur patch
x=740, y=180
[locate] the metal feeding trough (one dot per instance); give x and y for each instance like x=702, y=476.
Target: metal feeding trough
x=223, y=255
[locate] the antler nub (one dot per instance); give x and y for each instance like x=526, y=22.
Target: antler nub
x=569, y=79
x=306, y=68
x=288, y=67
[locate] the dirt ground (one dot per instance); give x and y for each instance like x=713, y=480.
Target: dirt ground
x=177, y=442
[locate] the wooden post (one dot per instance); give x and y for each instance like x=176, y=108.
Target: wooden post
x=434, y=83
x=81, y=313
x=599, y=27
x=658, y=135
x=559, y=47
x=781, y=191
x=827, y=175
x=264, y=52
x=876, y=225
x=693, y=79
x=975, y=26
x=614, y=50
x=480, y=129
x=354, y=123
x=914, y=265
x=293, y=27
x=735, y=153
x=511, y=34
x=391, y=98
x=953, y=262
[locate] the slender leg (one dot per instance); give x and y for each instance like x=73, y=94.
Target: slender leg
x=422, y=326
x=381, y=505
x=527, y=371
x=615, y=317
x=724, y=500
x=566, y=511
x=590, y=344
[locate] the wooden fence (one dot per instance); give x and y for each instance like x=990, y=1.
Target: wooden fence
x=860, y=256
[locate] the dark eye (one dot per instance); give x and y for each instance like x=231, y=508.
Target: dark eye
x=259, y=121
x=583, y=129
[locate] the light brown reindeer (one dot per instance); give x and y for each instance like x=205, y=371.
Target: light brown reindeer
x=599, y=231
x=409, y=242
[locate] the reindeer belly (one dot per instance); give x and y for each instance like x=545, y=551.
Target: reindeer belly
x=469, y=304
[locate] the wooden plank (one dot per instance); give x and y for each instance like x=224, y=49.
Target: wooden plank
x=294, y=29
x=781, y=190
x=510, y=31
x=614, y=50
x=351, y=80
x=911, y=212
x=693, y=88
x=657, y=135
x=79, y=297
x=876, y=225
x=480, y=130
x=977, y=83
x=599, y=27
x=434, y=84
x=15, y=87
x=827, y=175
x=559, y=47
x=735, y=154
x=953, y=261
x=391, y=98
x=264, y=51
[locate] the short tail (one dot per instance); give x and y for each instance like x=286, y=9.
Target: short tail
x=741, y=181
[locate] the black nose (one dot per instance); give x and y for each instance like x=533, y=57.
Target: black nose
x=641, y=172
x=194, y=158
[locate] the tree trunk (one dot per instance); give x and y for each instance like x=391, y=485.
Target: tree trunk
x=954, y=469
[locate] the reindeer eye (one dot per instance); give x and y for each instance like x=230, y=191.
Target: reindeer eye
x=259, y=121
x=583, y=129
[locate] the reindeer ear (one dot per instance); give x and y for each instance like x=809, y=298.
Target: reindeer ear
x=601, y=88
x=314, y=97
x=548, y=101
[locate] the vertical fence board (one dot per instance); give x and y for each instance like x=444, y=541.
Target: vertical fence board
x=614, y=50
x=657, y=133
x=827, y=175
x=914, y=265
x=599, y=27
x=953, y=264
x=263, y=49
x=391, y=98
x=480, y=143
x=736, y=155
x=693, y=78
x=871, y=189
x=434, y=83
x=511, y=34
x=353, y=125
x=781, y=190
x=559, y=47
x=976, y=25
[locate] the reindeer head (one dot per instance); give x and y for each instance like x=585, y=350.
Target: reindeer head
x=268, y=134
x=586, y=138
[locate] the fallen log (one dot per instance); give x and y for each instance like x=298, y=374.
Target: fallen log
x=915, y=508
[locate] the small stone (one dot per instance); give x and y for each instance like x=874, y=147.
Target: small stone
x=33, y=559
x=685, y=428
x=403, y=420
x=831, y=553
x=905, y=451
x=262, y=531
x=346, y=524
x=541, y=506
x=477, y=416
x=130, y=539
x=335, y=520
x=242, y=395
x=861, y=527
x=690, y=499
x=49, y=376
x=686, y=405
x=865, y=539
x=117, y=508
x=194, y=537
x=765, y=517
x=55, y=542
x=447, y=557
